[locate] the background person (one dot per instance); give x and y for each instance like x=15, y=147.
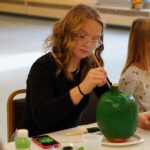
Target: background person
x=135, y=77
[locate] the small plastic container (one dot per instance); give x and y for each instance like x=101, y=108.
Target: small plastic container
x=22, y=141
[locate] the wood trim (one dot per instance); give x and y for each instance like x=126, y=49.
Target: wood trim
x=123, y=11
x=52, y=9
x=10, y=114
x=13, y=8
x=49, y=5
x=13, y=1
x=46, y=12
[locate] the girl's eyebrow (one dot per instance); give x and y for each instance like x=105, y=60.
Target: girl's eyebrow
x=85, y=32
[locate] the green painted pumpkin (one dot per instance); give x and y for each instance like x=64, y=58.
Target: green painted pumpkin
x=116, y=115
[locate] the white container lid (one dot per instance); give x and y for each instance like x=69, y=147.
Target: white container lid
x=22, y=133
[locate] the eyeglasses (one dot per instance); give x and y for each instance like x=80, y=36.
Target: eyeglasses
x=82, y=38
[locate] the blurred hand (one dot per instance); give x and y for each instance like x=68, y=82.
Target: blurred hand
x=144, y=120
x=95, y=77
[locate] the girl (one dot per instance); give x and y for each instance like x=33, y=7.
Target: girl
x=135, y=77
x=59, y=83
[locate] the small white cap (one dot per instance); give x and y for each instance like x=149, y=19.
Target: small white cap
x=22, y=133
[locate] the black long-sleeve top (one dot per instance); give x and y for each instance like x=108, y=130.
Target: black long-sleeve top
x=48, y=103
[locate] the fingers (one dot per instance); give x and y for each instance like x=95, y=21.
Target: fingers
x=145, y=126
x=101, y=82
x=98, y=70
x=144, y=122
x=147, y=116
x=95, y=77
x=98, y=75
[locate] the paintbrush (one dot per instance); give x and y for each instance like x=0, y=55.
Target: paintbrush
x=98, y=64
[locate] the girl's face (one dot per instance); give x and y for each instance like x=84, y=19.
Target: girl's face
x=87, y=39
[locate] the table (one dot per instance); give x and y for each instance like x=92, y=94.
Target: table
x=63, y=138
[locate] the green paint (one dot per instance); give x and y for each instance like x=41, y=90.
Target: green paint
x=22, y=143
x=116, y=114
x=80, y=148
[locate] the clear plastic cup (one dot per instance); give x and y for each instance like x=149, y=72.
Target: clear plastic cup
x=91, y=142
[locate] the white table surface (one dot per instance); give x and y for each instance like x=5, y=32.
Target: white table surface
x=63, y=139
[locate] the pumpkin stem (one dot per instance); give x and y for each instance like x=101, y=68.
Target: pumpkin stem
x=115, y=86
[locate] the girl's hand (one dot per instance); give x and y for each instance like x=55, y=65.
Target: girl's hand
x=144, y=121
x=95, y=77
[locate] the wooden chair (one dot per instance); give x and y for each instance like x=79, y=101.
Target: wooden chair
x=15, y=109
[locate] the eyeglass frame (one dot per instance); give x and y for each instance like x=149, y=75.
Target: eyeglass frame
x=86, y=38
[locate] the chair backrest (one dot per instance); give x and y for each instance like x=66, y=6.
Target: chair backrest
x=89, y=114
x=15, y=109
x=1, y=147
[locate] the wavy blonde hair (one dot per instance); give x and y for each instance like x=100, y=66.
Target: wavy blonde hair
x=61, y=41
x=138, y=41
